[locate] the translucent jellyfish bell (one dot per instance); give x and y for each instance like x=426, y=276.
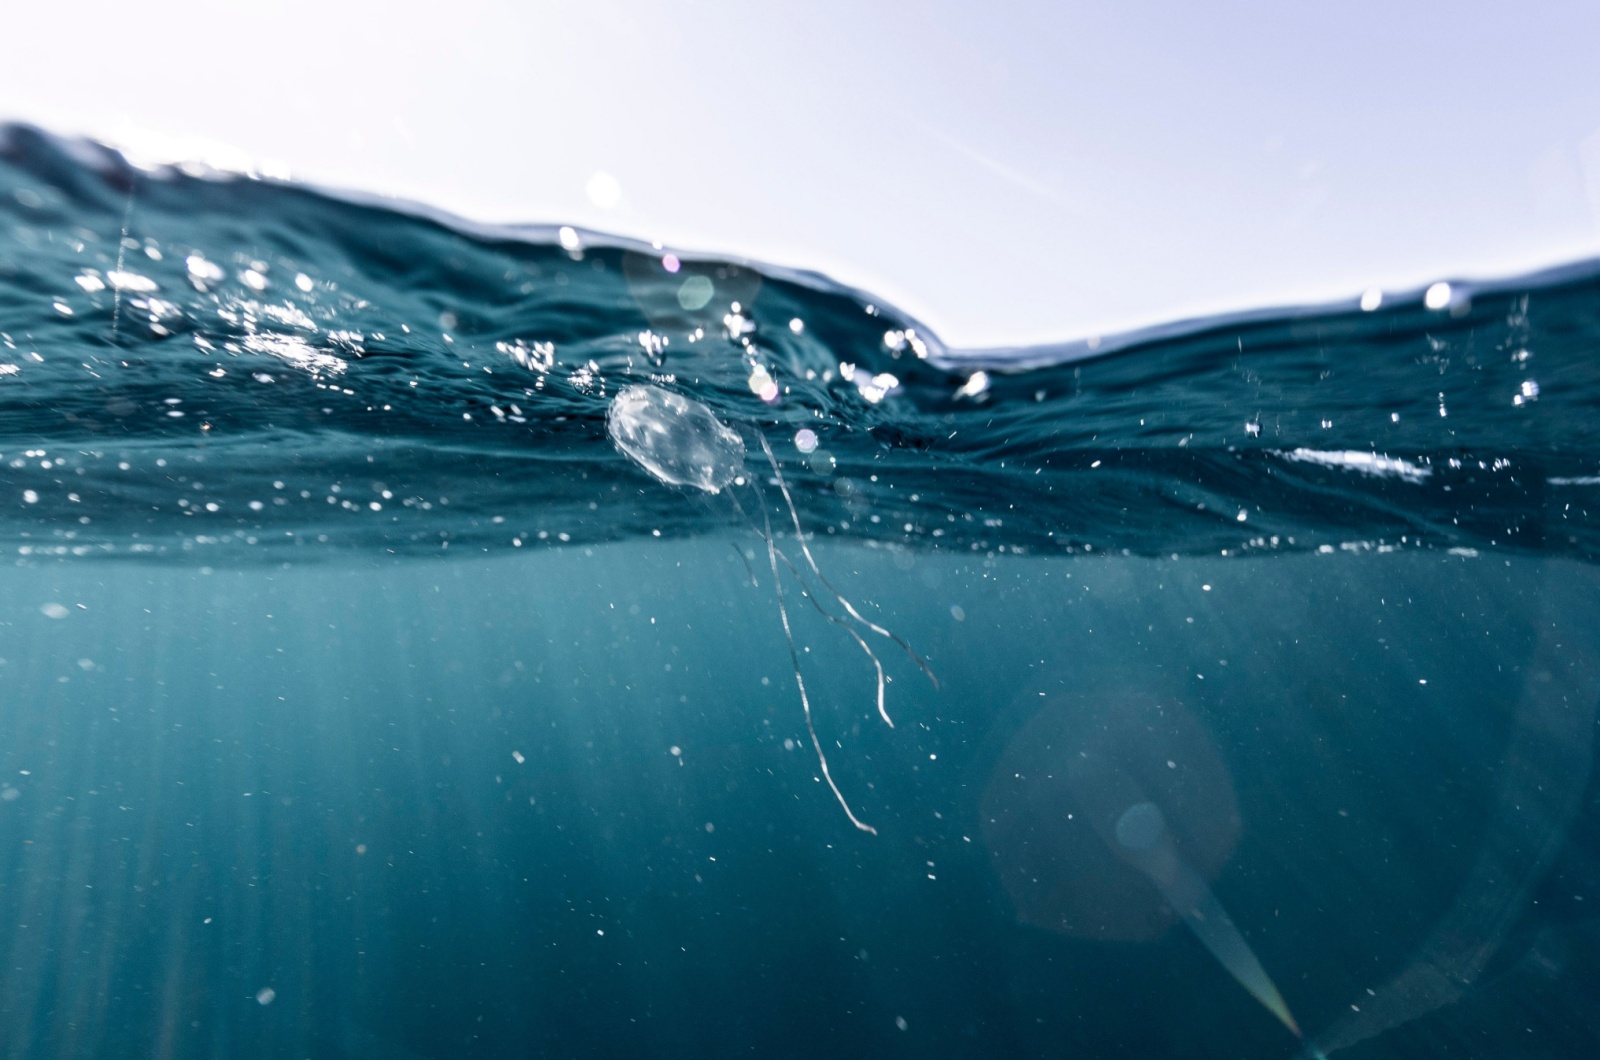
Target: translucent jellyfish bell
x=676, y=439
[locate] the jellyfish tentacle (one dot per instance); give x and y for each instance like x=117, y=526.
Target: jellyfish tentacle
x=794, y=514
x=877, y=664
x=737, y=551
x=800, y=683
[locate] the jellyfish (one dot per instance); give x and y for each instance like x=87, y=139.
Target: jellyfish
x=680, y=442
x=1105, y=817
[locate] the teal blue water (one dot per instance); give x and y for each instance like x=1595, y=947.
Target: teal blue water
x=360, y=697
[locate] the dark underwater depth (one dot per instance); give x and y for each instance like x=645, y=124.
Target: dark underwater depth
x=363, y=695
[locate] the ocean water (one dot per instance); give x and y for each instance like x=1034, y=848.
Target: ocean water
x=367, y=690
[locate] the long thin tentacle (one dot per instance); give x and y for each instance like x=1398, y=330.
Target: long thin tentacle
x=737, y=551
x=877, y=664
x=800, y=682
x=811, y=562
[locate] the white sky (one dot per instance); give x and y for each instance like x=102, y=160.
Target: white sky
x=1008, y=171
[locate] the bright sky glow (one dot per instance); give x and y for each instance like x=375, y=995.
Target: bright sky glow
x=1017, y=172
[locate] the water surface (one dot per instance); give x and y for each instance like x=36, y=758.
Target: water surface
x=360, y=698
